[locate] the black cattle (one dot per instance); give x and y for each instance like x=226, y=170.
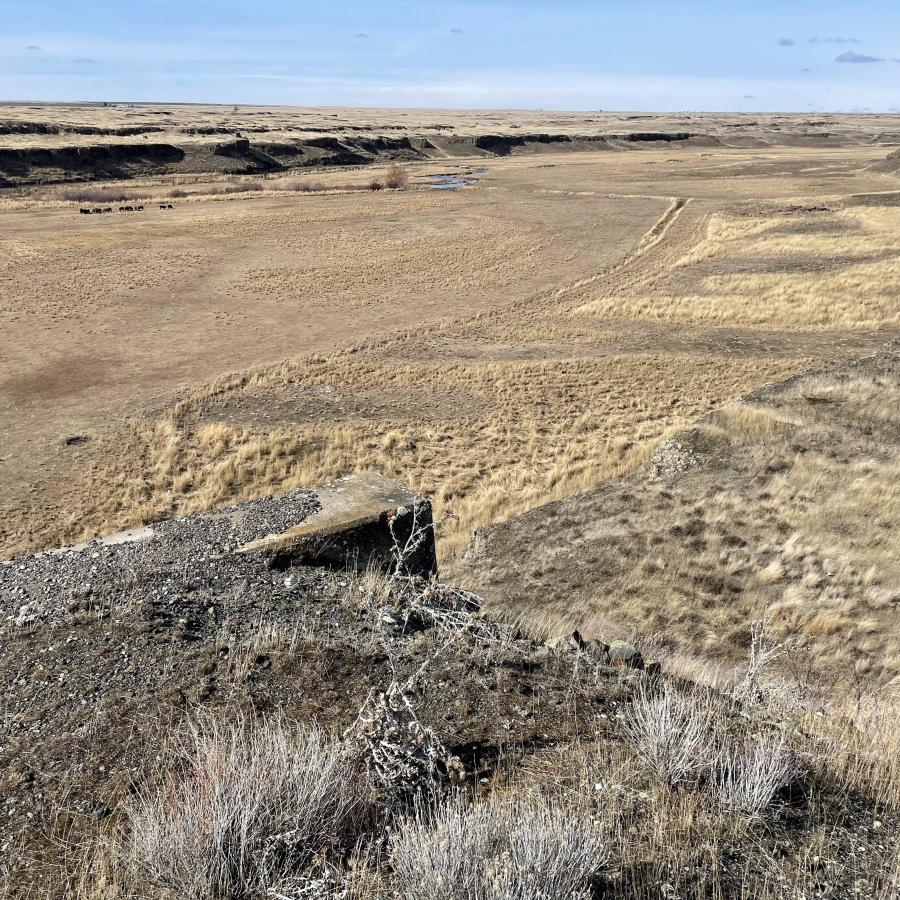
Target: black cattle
x=140, y=209
x=108, y=209
x=129, y=209
x=98, y=211
x=85, y=212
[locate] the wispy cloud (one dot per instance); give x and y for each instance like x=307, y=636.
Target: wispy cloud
x=851, y=56
x=786, y=42
x=456, y=31
x=833, y=40
x=361, y=35
x=85, y=61
x=33, y=48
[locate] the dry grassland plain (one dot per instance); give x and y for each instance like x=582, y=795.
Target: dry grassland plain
x=496, y=347
x=654, y=394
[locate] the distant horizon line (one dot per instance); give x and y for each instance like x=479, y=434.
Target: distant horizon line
x=536, y=109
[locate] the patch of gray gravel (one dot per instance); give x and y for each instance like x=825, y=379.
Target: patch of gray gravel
x=191, y=551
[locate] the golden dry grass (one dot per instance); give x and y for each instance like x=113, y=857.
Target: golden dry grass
x=786, y=280
x=792, y=508
x=568, y=384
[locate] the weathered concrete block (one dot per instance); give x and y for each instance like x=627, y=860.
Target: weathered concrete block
x=361, y=520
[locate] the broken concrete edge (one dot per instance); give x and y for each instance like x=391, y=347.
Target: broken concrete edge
x=398, y=541
x=358, y=521
x=362, y=520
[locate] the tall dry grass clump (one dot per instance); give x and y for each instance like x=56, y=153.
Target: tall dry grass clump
x=747, y=779
x=671, y=733
x=254, y=805
x=510, y=850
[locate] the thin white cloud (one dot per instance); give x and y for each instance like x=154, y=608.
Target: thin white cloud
x=833, y=40
x=786, y=42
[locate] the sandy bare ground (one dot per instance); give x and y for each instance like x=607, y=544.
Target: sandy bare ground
x=581, y=317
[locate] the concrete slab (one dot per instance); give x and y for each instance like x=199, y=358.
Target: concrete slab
x=361, y=520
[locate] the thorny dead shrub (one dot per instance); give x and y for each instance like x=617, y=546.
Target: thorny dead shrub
x=764, y=651
x=671, y=733
x=255, y=805
x=402, y=756
x=513, y=850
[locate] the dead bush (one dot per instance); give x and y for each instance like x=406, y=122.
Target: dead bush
x=513, y=850
x=300, y=187
x=375, y=185
x=396, y=177
x=672, y=734
x=748, y=778
x=253, y=806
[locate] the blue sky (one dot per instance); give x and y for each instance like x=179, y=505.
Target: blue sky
x=549, y=54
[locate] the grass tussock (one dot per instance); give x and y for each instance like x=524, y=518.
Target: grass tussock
x=503, y=850
x=254, y=806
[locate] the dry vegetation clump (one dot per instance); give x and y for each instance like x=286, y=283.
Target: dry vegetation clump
x=100, y=194
x=254, y=806
x=683, y=738
x=300, y=186
x=396, y=177
x=672, y=734
x=501, y=850
x=748, y=778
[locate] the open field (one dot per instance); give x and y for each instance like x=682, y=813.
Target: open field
x=651, y=382
x=512, y=342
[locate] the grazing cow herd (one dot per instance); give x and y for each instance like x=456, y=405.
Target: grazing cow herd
x=96, y=211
